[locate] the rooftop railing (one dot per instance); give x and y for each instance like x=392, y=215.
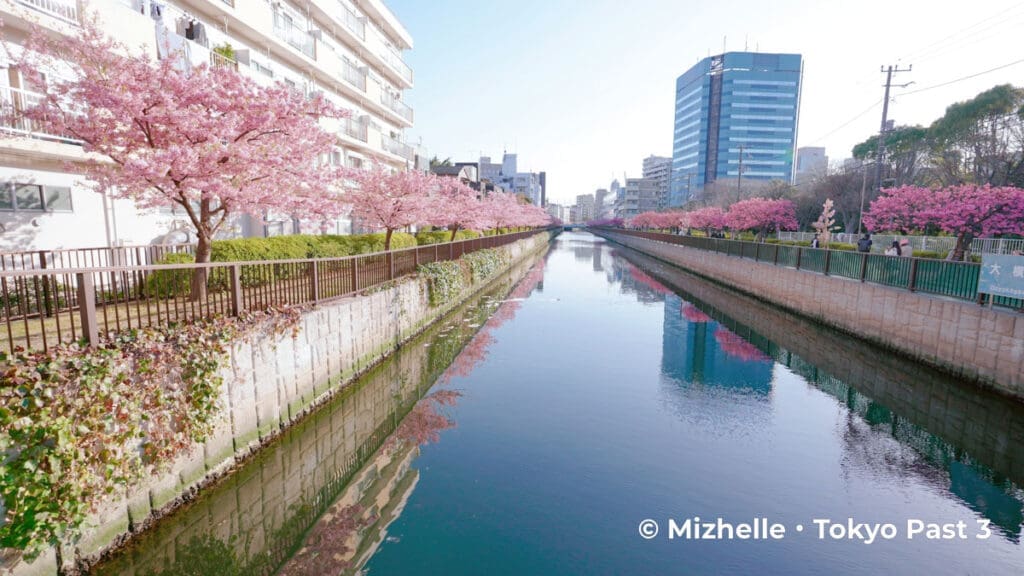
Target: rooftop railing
x=44, y=307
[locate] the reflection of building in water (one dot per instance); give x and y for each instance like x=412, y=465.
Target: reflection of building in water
x=583, y=253
x=597, y=258
x=633, y=280
x=692, y=354
x=378, y=494
x=987, y=493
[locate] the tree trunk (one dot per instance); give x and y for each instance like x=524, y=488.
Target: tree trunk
x=455, y=230
x=204, y=249
x=963, y=245
x=387, y=239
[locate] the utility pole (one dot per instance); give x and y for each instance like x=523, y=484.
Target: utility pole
x=880, y=156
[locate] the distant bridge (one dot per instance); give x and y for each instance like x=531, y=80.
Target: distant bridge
x=570, y=227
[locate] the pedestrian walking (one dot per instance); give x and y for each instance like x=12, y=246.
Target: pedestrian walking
x=864, y=244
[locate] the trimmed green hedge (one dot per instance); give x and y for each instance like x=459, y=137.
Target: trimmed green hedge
x=302, y=246
x=441, y=236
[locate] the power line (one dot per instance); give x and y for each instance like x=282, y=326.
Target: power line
x=920, y=51
x=961, y=79
x=845, y=124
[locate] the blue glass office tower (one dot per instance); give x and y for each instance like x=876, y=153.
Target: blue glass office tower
x=737, y=104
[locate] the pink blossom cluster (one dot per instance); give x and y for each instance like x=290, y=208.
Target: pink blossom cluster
x=385, y=199
x=761, y=215
x=215, y=144
x=967, y=209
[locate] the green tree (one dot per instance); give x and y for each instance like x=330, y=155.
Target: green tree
x=980, y=141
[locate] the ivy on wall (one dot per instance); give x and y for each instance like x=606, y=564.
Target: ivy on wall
x=446, y=280
x=78, y=423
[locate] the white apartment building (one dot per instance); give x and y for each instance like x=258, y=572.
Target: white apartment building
x=585, y=207
x=528, y=185
x=348, y=50
x=659, y=169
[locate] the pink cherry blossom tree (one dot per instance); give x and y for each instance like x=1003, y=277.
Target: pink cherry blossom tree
x=206, y=140
x=389, y=200
x=455, y=206
x=708, y=219
x=967, y=211
x=762, y=215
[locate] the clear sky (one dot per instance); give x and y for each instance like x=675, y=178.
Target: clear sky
x=585, y=89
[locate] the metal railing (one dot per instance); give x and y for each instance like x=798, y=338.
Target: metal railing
x=926, y=243
x=394, y=59
x=43, y=307
x=66, y=10
x=141, y=255
x=219, y=60
x=353, y=75
x=939, y=277
x=396, y=106
x=13, y=103
x=296, y=37
x=353, y=22
x=397, y=147
x=355, y=129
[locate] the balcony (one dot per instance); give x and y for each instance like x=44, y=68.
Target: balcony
x=397, y=106
x=354, y=129
x=66, y=10
x=13, y=102
x=219, y=60
x=354, y=23
x=394, y=146
x=394, y=59
x=353, y=75
x=296, y=37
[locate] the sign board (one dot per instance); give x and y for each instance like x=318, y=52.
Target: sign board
x=1002, y=275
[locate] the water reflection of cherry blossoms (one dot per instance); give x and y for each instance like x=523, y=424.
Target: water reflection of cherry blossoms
x=737, y=347
x=642, y=278
x=693, y=314
x=424, y=423
x=475, y=351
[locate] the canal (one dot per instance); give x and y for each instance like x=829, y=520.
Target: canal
x=535, y=429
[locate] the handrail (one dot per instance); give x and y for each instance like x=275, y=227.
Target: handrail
x=937, y=277
x=44, y=306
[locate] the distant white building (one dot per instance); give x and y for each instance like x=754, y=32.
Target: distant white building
x=659, y=169
x=530, y=185
x=584, y=207
x=811, y=161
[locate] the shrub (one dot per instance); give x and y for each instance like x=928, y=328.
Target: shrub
x=168, y=283
x=484, y=263
x=440, y=236
x=445, y=280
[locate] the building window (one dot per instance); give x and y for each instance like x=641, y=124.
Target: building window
x=35, y=198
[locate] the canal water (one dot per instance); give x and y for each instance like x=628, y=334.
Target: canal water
x=548, y=427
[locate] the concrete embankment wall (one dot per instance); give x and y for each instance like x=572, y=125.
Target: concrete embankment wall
x=974, y=420
x=983, y=345
x=270, y=382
